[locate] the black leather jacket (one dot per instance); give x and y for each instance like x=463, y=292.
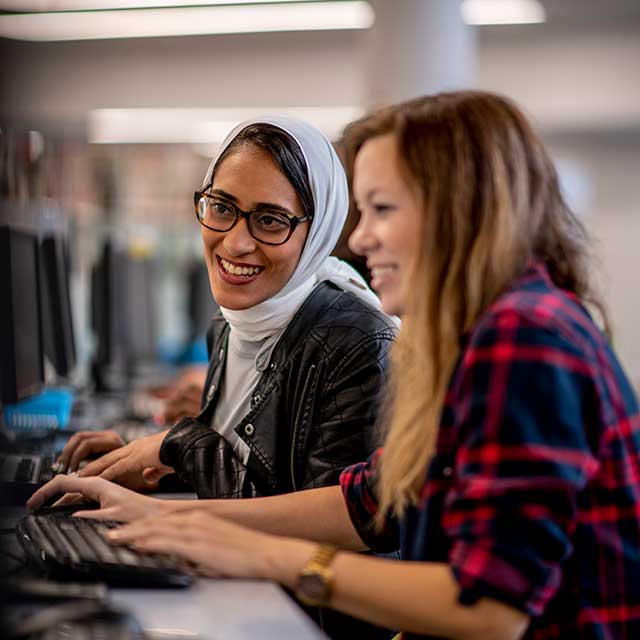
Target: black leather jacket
x=313, y=411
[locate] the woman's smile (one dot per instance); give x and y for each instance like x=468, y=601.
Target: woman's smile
x=238, y=273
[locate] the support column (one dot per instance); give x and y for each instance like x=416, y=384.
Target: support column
x=418, y=47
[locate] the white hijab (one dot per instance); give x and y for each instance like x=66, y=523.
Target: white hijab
x=331, y=201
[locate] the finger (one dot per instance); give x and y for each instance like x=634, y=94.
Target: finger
x=114, y=471
x=185, y=553
x=64, y=484
x=169, y=526
x=68, y=498
x=91, y=446
x=110, y=513
x=68, y=449
x=96, y=467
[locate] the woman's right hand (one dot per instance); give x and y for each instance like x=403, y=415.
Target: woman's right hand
x=116, y=502
x=136, y=465
x=85, y=444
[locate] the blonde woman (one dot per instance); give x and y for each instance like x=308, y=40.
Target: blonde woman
x=511, y=469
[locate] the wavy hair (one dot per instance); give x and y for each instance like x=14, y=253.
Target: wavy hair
x=491, y=203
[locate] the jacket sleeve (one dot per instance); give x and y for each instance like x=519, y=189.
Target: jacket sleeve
x=205, y=460
x=343, y=430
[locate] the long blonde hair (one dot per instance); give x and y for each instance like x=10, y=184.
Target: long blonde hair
x=491, y=203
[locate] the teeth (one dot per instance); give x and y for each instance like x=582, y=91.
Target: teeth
x=379, y=272
x=238, y=271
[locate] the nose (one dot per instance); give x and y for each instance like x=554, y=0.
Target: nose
x=363, y=239
x=238, y=241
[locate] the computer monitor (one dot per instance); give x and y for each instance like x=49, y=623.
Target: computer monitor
x=108, y=361
x=200, y=302
x=139, y=322
x=122, y=315
x=21, y=357
x=57, y=321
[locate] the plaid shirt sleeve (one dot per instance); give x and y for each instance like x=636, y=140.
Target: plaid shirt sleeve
x=524, y=454
x=358, y=487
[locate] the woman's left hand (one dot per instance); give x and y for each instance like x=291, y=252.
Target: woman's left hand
x=215, y=547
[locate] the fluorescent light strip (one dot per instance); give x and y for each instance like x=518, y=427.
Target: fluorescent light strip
x=37, y=6
x=201, y=126
x=143, y=23
x=478, y=12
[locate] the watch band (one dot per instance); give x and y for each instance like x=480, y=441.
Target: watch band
x=316, y=578
x=323, y=556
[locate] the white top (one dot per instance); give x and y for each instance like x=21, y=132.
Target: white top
x=246, y=360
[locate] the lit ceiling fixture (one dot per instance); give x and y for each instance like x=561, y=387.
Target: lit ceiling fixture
x=201, y=126
x=186, y=21
x=479, y=12
x=36, y=6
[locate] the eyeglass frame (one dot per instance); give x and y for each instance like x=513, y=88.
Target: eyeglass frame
x=240, y=213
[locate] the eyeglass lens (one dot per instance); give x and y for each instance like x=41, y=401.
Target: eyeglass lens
x=268, y=226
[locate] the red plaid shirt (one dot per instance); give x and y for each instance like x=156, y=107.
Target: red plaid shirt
x=533, y=494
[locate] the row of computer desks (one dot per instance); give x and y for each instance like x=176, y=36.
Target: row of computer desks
x=60, y=576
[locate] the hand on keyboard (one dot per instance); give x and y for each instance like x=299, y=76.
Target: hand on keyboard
x=116, y=503
x=86, y=444
x=210, y=545
x=136, y=465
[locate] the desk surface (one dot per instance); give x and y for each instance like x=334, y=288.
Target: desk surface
x=209, y=609
x=219, y=609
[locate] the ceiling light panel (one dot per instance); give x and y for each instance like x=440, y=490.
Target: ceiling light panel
x=186, y=21
x=201, y=126
x=35, y=6
x=479, y=12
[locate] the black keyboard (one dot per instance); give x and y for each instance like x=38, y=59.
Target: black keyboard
x=75, y=549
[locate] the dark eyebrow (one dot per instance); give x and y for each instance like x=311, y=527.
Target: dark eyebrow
x=260, y=206
x=224, y=194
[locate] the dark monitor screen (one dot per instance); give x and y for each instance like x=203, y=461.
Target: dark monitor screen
x=57, y=322
x=122, y=312
x=106, y=279
x=138, y=311
x=21, y=361
x=200, y=302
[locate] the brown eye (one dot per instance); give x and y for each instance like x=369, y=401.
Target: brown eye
x=221, y=210
x=272, y=222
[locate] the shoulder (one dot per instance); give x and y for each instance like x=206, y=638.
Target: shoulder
x=334, y=311
x=335, y=324
x=536, y=312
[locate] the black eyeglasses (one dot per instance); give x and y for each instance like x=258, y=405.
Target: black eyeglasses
x=265, y=225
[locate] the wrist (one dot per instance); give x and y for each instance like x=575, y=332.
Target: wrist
x=283, y=559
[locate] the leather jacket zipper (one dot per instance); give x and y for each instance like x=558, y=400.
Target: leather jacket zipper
x=296, y=425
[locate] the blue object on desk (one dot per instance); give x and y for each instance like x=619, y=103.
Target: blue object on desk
x=50, y=410
x=195, y=352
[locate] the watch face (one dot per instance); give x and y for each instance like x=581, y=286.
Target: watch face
x=313, y=586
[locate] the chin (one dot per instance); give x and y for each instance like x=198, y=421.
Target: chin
x=390, y=306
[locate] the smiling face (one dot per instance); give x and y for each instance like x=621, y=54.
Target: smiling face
x=388, y=233
x=242, y=271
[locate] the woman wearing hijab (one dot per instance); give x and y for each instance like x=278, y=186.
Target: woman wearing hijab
x=298, y=352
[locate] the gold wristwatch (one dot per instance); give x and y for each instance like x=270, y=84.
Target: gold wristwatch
x=316, y=579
